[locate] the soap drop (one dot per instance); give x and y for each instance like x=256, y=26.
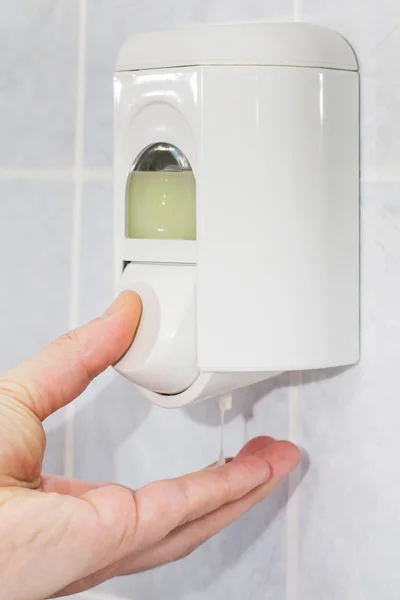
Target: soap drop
x=224, y=403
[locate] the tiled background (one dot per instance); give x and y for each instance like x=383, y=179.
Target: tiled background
x=337, y=538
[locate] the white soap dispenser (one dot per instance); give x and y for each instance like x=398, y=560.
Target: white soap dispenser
x=237, y=205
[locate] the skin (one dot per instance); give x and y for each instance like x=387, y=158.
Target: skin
x=60, y=536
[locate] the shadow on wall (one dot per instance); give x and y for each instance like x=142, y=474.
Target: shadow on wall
x=322, y=374
x=243, y=403
x=246, y=398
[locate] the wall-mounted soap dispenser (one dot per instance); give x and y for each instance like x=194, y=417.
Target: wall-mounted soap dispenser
x=237, y=205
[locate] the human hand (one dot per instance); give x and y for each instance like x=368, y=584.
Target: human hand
x=60, y=536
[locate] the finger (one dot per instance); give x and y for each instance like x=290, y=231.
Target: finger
x=283, y=457
x=251, y=447
x=256, y=444
x=158, y=508
x=63, y=370
x=165, y=505
x=148, y=515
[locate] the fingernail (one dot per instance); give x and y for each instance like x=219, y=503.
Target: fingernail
x=116, y=306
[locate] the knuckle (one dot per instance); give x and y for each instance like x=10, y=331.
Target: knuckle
x=124, y=535
x=225, y=485
x=20, y=393
x=185, y=502
x=188, y=549
x=72, y=338
x=116, y=519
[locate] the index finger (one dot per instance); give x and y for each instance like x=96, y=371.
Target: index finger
x=59, y=373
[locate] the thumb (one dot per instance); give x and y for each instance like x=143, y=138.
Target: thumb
x=59, y=373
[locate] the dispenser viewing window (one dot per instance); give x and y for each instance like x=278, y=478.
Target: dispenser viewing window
x=161, y=195
x=236, y=169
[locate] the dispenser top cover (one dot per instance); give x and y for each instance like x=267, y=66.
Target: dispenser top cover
x=270, y=44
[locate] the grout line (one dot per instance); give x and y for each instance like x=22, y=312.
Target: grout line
x=297, y=10
x=88, y=174
x=292, y=530
x=43, y=174
x=77, y=221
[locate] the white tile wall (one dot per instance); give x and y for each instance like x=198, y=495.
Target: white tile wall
x=350, y=499
x=35, y=266
x=96, y=250
x=373, y=28
x=337, y=536
x=38, y=49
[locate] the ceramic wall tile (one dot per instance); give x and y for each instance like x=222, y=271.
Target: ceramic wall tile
x=372, y=28
x=35, y=272
x=35, y=265
x=38, y=66
x=350, y=497
x=96, y=262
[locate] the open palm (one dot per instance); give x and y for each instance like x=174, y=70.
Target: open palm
x=61, y=536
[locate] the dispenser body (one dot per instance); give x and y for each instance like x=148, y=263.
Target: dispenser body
x=275, y=156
